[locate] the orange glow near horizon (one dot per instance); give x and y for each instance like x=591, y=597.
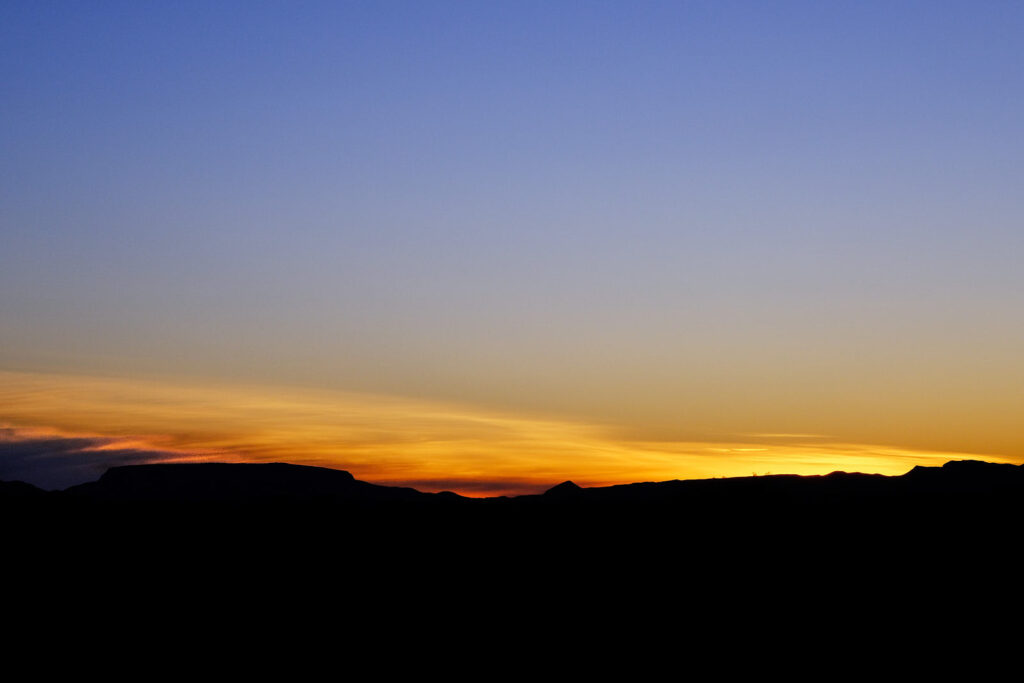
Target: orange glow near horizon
x=431, y=446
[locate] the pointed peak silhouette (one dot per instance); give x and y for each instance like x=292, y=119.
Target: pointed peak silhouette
x=566, y=488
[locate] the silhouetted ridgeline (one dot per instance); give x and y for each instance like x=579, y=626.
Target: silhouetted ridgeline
x=286, y=484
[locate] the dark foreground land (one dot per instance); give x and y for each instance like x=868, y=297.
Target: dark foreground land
x=219, y=506
x=283, y=549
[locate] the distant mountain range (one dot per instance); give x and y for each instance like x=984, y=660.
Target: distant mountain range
x=280, y=483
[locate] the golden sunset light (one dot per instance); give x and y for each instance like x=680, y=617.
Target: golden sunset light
x=430, y=446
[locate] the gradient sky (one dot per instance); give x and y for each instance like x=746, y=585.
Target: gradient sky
x=686, y=228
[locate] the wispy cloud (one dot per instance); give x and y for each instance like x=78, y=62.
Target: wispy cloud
x=54, y=461
x=94, y=422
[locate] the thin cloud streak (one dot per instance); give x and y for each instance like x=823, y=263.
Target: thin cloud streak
x=428, y=445
x=53, y=461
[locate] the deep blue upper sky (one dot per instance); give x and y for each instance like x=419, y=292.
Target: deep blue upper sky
x=552, y=205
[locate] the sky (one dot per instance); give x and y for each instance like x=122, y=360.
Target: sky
x=487, y=247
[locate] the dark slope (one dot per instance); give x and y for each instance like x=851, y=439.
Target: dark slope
x=18, y=490
x=965, y=476
x=778, y=487
x=968, y=478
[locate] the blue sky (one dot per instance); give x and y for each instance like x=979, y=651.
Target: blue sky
x=685, y=218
